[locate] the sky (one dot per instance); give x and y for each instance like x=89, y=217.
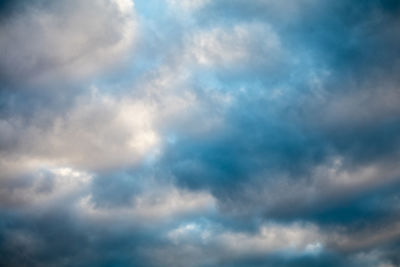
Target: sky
x=200, y=133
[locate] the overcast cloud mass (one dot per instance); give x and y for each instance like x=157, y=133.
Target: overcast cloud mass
x=200, y=133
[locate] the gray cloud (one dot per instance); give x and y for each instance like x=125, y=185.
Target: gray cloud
x=236, y=133
x=66, y=39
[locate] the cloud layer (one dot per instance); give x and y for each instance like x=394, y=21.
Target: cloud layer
x=199, y=133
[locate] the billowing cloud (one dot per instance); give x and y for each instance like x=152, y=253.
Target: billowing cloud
x=199, y=133
x=165, y=203
x=244, y=43
x=66, y=39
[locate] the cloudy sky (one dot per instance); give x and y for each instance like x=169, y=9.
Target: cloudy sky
x=200, y=133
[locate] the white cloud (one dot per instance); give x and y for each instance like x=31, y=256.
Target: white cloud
x=99, y=132
x=197, y=242
x=162, y=202
x=246, y=43
x=45, y=187
x=124, y=6
x=365, y=238
x=188, y=5
x=67, y=39
x=271, y=238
